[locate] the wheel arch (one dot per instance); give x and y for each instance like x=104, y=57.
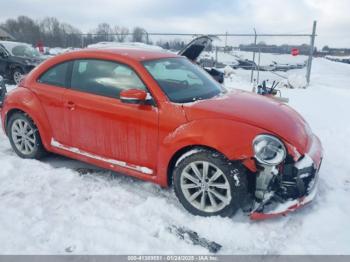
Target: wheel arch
x=230, y=138
x=8, y=116
x=13, y=67
x=13, y=111
x=232, y=170
x=24, y=101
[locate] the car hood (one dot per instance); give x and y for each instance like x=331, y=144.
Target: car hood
x=27, y=60
x=256, y=110
x=194, y=48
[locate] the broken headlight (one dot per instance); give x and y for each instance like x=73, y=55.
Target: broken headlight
x=269, y=150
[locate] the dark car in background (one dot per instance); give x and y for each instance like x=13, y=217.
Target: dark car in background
x=17, y=59
x=2, y=90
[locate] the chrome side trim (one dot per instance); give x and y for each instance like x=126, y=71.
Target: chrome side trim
x=112, y=162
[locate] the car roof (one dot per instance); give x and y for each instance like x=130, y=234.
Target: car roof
x=11, y=44
x=137, y=54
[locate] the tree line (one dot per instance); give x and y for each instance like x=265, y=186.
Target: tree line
x=53, y=33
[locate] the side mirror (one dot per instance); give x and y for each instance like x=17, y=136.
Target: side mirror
x=133, y=96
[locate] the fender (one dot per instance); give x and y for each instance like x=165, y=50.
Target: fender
x=233, y=139
x=25, y=100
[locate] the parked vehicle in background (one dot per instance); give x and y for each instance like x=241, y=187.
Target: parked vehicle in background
x=245, y=64
x=17, y=59
x=194, y=49
x=159, y=117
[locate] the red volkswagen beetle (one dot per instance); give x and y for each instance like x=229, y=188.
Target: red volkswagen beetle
x=159, y=117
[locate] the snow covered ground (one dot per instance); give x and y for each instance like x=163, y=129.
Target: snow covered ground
x=265, y=58
x=46, y=207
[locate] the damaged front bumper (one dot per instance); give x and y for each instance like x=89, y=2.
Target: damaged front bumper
x=297, y=185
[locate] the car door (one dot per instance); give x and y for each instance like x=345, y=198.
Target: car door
x=103, y=127
x=49, y=88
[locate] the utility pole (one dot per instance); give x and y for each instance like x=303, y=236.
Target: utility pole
x=82, y=41
x=311, y=53
x=252, y=72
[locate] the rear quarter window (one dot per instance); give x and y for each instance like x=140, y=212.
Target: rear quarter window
x=104, y=78
x=56, y=75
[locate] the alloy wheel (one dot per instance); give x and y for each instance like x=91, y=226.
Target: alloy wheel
x=205, y=186
x=23, y=136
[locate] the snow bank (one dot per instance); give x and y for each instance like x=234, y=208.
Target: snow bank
x=126, y=45
x=296, y=81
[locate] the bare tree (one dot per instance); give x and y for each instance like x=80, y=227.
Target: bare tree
x=23, y=29
x=103, y=32
x=139, y=35
x=121, y=33
x=72, y=35
x=54, y=33
x=51, y=31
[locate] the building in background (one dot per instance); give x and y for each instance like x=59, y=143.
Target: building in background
x=5, y=36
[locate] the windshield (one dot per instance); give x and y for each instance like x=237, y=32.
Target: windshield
x=181, y=80
x=25, y=51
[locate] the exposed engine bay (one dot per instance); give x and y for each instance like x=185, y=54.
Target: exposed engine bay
x=287, y=182
x=282, y=184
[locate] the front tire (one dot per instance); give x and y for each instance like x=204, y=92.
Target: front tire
x=208, y=184
x=24, y=137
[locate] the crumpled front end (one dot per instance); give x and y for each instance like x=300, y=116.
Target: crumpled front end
x=288, y=186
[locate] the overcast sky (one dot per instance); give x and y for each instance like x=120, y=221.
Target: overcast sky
x=199, y=16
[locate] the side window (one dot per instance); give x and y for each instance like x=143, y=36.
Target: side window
x=104, y=78
x=3, y=53
x=56, y=75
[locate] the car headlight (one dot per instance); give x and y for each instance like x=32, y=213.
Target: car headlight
x=269, y=150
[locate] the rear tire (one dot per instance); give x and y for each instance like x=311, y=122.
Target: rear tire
x=208, y=184
x=24, y=137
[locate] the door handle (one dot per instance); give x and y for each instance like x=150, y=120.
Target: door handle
x=70, y=105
